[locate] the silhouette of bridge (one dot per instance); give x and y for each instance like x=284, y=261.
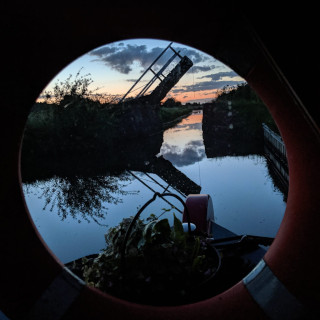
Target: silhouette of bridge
x=167, y=82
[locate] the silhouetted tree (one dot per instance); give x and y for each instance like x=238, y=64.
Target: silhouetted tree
x=171, y=102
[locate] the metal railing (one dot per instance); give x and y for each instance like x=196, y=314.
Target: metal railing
x=275, y=140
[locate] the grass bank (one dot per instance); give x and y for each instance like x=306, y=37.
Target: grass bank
x=171, y=115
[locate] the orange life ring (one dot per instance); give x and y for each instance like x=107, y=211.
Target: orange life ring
x=276, y=288
x=284, y=285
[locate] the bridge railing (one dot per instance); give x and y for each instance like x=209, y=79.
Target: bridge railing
x=275, y=140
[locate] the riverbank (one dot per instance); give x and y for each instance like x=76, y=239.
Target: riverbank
x=87, y=133
x=171, y=115
x=232, y=124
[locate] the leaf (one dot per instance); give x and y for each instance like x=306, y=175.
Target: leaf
x=162, y=227
x=196, y=248
x=152, y=217
x=147, y=231
x=196, y=264
x=141, y=243
x=178, y=228
x=179, y=236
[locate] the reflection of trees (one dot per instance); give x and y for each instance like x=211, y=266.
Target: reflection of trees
x=75, y=177
x=81, y=197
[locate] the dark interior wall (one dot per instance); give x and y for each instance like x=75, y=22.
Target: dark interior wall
x=36, y=36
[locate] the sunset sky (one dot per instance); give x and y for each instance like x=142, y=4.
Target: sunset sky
x=115, y=67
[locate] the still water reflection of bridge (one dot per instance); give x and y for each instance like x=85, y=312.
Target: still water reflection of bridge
x=198, y=137
x=172, y=156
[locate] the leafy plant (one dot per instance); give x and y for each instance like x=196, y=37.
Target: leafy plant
x=162, y=264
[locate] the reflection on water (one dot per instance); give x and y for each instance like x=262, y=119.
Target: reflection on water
x=74, y=212
x=82, y=198
x=183, y=144
x=245, y=197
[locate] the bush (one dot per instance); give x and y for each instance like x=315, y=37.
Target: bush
x=162, y=265
x=171, y=102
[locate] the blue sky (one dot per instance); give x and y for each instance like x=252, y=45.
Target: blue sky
x=114, y=67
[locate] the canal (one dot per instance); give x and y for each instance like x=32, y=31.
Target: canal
x=73, y=212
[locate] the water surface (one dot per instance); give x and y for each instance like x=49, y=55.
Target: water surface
x=72, y=214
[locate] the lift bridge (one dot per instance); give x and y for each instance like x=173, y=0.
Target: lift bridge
x=166, y=82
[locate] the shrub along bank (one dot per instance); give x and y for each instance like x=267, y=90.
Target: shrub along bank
x=81, y=128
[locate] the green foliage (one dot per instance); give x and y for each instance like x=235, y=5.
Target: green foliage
x=168, y=114
x=72, y=119
x=171, y=102
x=239, y=92
x=248, y=107
x=76, y=88
x=163, y=264
x=77, y=120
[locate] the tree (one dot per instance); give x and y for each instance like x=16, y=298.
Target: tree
x=171, y=102
x=75, y=89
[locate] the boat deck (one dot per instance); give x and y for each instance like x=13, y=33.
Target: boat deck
x=220, y=232
x=254, y=253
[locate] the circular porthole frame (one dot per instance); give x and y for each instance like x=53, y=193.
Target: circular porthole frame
x=35, y=284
